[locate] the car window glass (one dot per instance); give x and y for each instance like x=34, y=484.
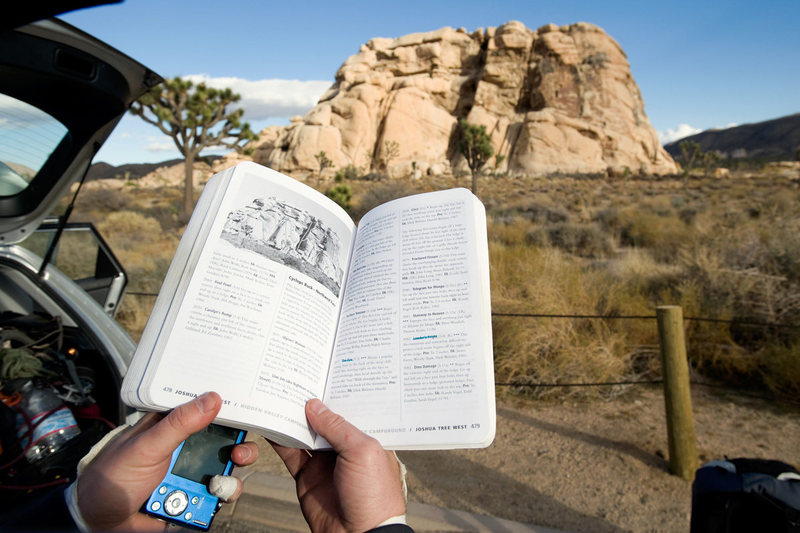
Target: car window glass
x=76, y=255
x=27, y=138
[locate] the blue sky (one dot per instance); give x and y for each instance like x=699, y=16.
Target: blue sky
x=698, y=64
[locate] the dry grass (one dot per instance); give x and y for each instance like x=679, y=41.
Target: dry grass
x=141, y=245
x=547, y=281
x=727, y=250
x=133, y=314
x=145, y=250
x=581, y=245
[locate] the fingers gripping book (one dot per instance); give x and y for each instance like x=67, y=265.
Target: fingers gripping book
x=275, y=297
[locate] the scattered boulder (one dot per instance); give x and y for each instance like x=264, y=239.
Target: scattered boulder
x=783, y=168
x=722, y=173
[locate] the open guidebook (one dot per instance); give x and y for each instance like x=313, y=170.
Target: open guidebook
x=274, y=297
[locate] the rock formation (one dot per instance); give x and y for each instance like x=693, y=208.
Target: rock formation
x=558, y=99
x=290, y=236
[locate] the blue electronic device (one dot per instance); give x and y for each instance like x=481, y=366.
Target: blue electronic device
x=182, y=497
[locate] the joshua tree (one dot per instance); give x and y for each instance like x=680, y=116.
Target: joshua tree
x=476, y=145
x=498, y=160
x=196, y=117
x=690, y=151
x=323, y=161
x=709, y=159
x=391, y=149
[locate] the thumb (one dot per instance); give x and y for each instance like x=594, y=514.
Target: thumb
x=340, y=434
x=180, y=423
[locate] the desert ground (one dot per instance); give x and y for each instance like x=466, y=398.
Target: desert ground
x=593, y=466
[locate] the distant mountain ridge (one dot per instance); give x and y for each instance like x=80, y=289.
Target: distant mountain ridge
x=132, y=171
x=772, y=140
x=104, y=171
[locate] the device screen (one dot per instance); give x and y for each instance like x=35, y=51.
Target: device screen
x=205, y=453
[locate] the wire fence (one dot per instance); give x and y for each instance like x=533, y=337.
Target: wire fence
x=653, y=317
x=776, y=325
x=534, y=385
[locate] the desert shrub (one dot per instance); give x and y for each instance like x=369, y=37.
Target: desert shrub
x=687, y=215
x=124, y=229
x=545, y=214
x=748, y=274
x=537, y=210
x=167, y=216
x=374, y=176
x=608, y=219
x=102, y=200
x=639, y=273
x=780, y=369
x=660, y=204
x=550, y=351
x=163, y=204
x=133, y=314
x=381, y=193
x=350, y=172
x=584, y=240
x=341, y=194
x=141, y=246
x=528, y=279
x=512, y=231
x=722, y=251
x=677, y=202
x=663, y=235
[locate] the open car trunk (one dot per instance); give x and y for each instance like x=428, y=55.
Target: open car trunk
x=79, y=361
x=62, y=355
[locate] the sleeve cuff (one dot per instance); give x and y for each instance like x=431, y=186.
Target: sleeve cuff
x=392, y=528
x=71, y=497
x=399, y=519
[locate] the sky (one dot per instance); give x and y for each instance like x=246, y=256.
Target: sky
x=698, y=64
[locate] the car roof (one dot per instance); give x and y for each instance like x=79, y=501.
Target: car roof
x=78, y=84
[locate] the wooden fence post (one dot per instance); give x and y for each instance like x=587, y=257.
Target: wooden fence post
x=677, y=396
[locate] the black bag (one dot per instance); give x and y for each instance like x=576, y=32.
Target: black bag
x=746, y=495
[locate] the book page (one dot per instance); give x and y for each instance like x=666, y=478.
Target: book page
x=412, y=365
x=186, y=254
x=259, y=313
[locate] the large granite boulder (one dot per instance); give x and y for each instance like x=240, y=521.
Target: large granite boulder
x=558, y=99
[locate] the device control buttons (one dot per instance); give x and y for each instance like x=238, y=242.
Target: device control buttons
x=195, y=500
x=162, y=489
x=176, y=502
x=155, y=506
x=187, y=516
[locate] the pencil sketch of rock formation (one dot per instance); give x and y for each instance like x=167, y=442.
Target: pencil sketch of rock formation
x=289, y=236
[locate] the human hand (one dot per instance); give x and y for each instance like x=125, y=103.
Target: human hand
x=113, y=487
x=355, y=487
